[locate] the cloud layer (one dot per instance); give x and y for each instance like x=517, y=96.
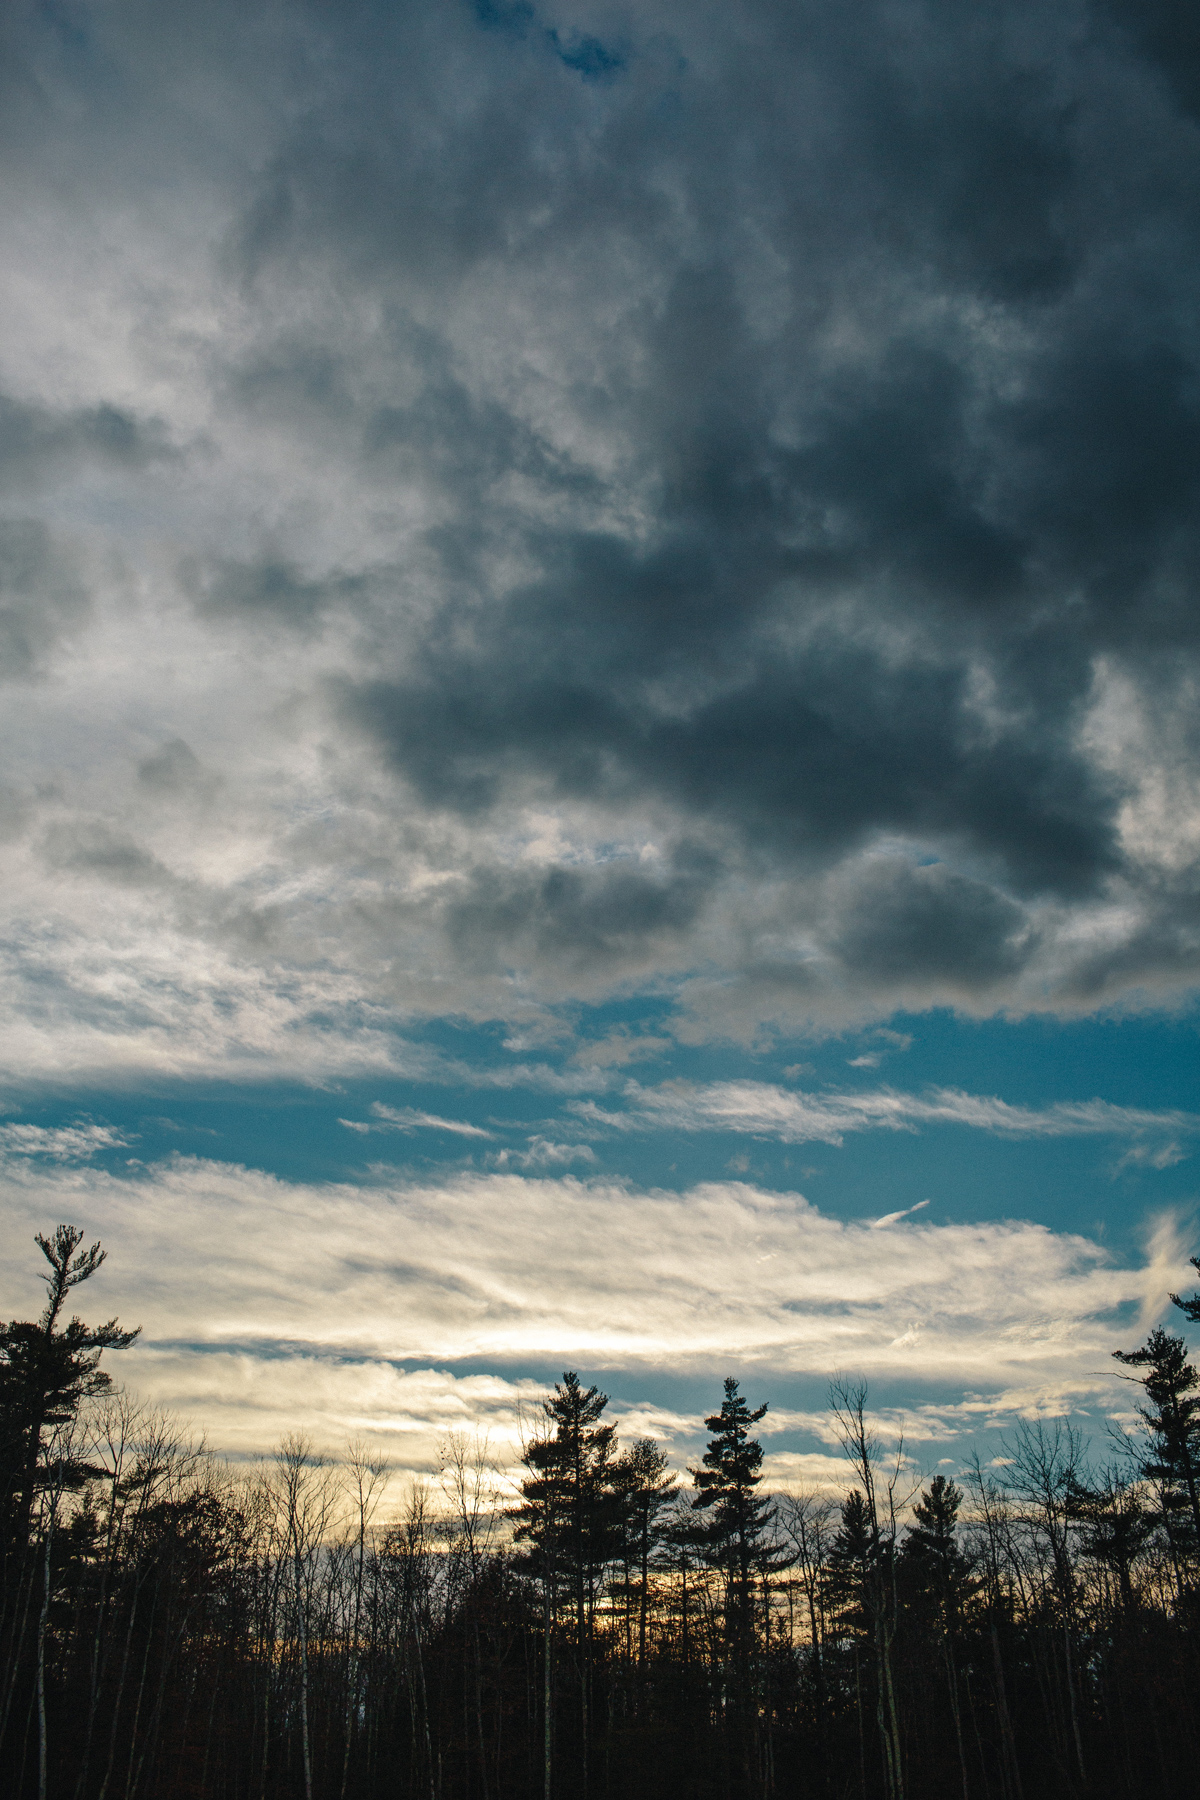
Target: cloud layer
x=506, y=506
x=763, y=1109
x=376, y=1309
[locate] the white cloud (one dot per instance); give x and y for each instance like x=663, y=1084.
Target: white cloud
x=893, y=1218
x=245, y=1403
x=63, y=1143
x=763, y=1109
x=291, y=1281
x=410, y=1118
x=1152, y=1156
x=544, y=1153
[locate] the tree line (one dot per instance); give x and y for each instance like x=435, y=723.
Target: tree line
x=171, y=1625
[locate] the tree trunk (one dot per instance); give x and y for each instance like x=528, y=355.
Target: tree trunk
x=547, y=1686
x=889, y=1717
x=302, y=1627
x=1011, y=1765
x=43, y=1616
x=955, y=1709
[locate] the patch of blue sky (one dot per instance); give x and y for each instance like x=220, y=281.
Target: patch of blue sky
x=493, y=1107
x=587, y=56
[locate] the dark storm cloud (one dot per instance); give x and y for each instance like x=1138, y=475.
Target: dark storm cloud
x=1111, y=435
x=600, y=919
x=993, y=149
x=910, y=924
x=1167, y=33
x=804, y=757
x=994, y=474
x=765, y=436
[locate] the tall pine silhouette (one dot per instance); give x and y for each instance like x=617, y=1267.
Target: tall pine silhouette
x=738, y=1521
x=1172, y=1420
x=568, y=1513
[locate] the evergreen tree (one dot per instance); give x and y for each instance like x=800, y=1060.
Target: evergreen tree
x=1191, y=1308
x=684, y=1552
x=1118, y=1526
x=879, y=1511
x=738, y=1518
x=1172, y=1421
x=45, y=1375
x=569, y=1491
x=851, y=1560
x=568, y=1512
x=931, y=1553
x=644, y=1488
x=931, y=1550
x=737, y=1544
x=849, y=1588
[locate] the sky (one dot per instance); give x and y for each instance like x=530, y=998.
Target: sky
x=600, y=657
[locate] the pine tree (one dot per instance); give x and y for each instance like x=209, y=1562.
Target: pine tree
x=879, y=1510
x=1118, y=1525
x=568, y=1513
x=45, y=1375
x=1172, y=1421
x=931, y=1552
x=739, y=1519
x=849, y=1586
x=1191, y=1308
x=737, y=1542
x=931, y=1548
x=644, y=1488
x=572, y=1464
x=851, y=1560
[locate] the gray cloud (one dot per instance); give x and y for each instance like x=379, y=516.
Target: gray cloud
x=1165, y=34
x=35, y=440
x=713, y=495
x=904, y=923
x=41, y=596
x=174, y=769
x=269, y=587
x=91, y=849
x=611, y=917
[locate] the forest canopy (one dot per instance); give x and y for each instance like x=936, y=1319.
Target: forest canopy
x=592, y=1621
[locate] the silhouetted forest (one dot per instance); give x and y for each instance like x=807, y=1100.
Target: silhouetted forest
x=176, y=1626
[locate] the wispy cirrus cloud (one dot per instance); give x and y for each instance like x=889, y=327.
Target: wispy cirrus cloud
x=62, y=1143
x=763, y=1109
x=411, y=1118
x=893, y=1218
